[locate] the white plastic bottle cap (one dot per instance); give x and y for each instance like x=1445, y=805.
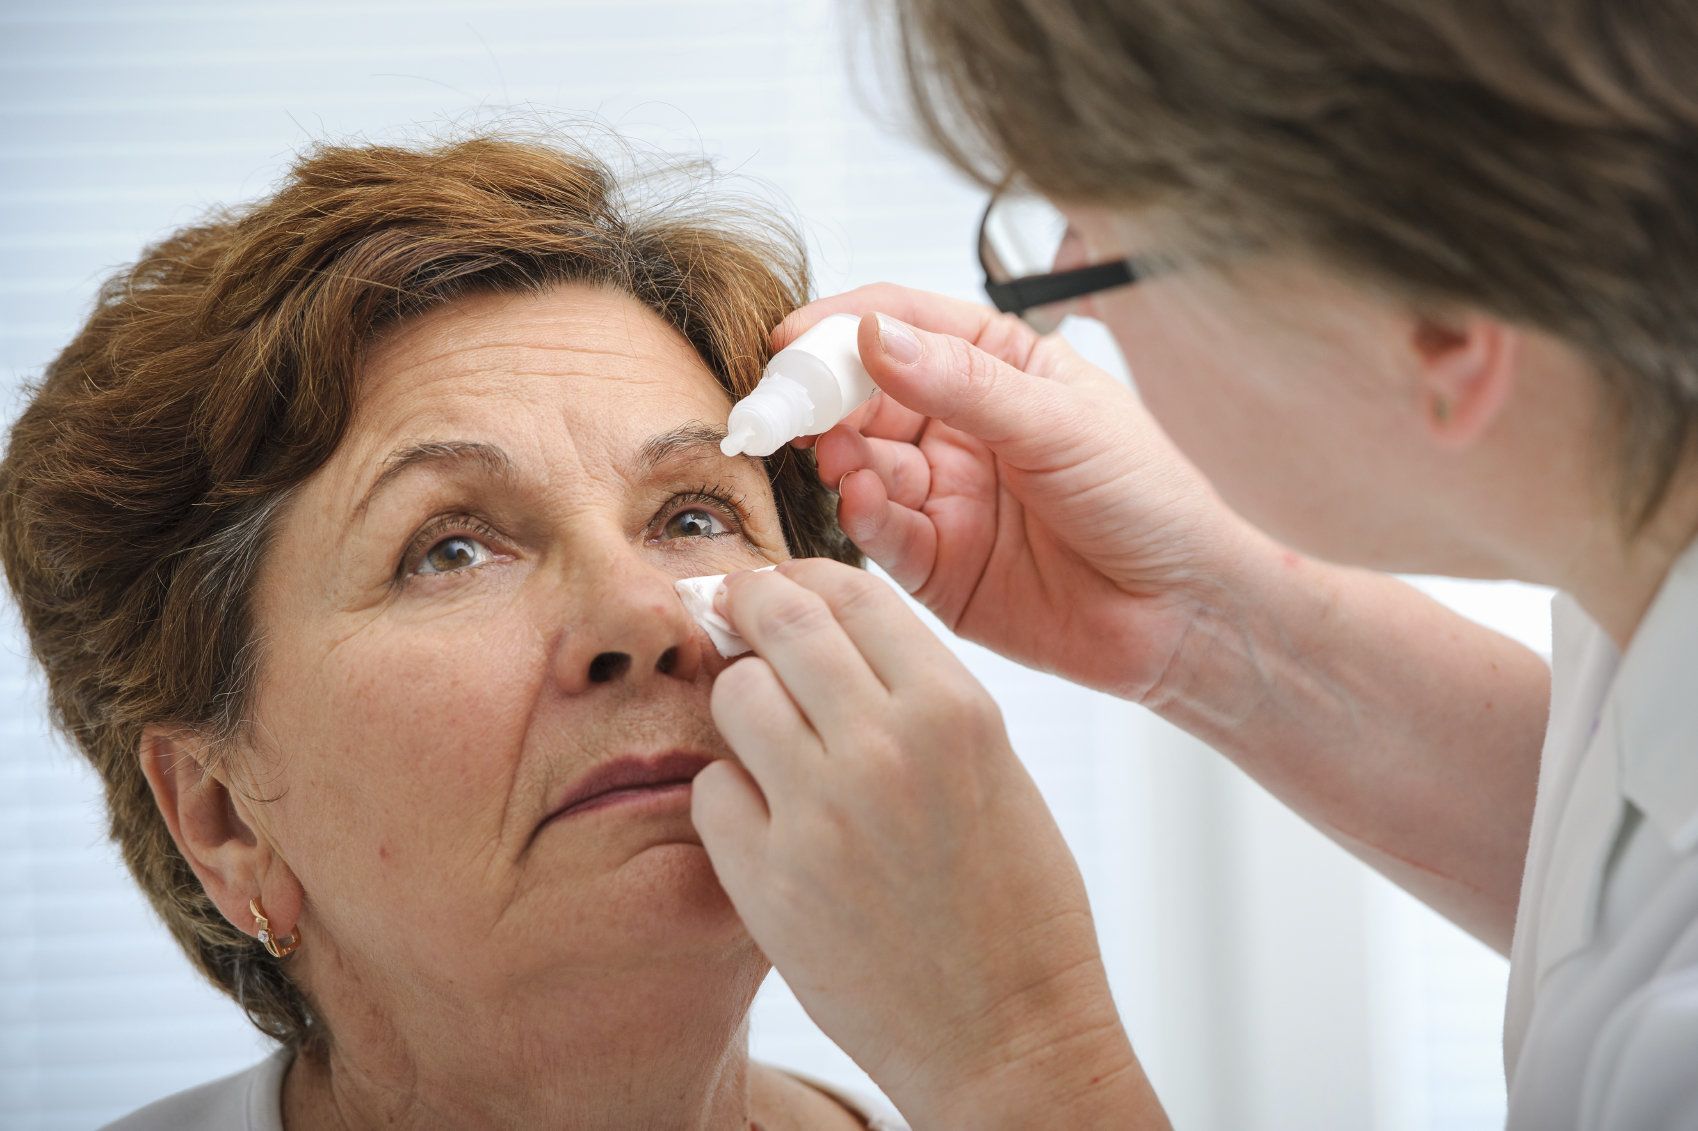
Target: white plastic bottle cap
x=778, y=411
x=808, y=387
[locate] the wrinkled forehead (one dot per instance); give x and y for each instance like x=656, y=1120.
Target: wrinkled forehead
x=573, y=372
x=593, y=350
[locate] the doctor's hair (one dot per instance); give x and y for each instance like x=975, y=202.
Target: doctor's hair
x=146, y=475
x=1536, y=160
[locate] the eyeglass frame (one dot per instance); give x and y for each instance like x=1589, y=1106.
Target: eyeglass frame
x=1021, y=294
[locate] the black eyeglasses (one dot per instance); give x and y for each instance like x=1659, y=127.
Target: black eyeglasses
x=1021, y=238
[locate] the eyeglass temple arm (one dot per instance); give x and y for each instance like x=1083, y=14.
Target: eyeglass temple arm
x=1028, y=291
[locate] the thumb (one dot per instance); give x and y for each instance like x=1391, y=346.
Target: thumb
x=731, y=817
x=1025, y=419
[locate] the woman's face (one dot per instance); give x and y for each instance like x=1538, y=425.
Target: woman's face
x=470, y=608
x=1292, y=391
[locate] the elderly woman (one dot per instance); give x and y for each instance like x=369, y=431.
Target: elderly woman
x=346, y=532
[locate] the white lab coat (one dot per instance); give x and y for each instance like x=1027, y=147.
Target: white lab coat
x=1601, y=1029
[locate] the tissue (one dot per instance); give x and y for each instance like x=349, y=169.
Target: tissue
x=698, y=593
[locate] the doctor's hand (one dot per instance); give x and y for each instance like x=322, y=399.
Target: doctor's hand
x=891, y=856
x=1022, y=494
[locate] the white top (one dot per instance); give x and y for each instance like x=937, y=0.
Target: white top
x=1601, y=1030
x=252, y=1100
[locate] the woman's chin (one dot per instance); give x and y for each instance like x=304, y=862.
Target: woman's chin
x=669, y=893
x=633, y=896
x=679, y=870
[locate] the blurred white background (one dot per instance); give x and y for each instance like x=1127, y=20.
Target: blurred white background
x=1268, y=980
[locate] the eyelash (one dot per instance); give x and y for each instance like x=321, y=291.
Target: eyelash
x=732, y=504
x=436, y=530
x=710, y=495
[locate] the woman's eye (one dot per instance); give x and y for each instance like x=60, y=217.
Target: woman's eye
x=453, y=554
x=693, y=523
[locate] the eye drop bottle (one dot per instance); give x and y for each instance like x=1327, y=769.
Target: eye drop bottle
x=808, y=386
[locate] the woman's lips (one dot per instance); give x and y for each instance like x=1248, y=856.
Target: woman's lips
x=664, y=779
x=668, y=793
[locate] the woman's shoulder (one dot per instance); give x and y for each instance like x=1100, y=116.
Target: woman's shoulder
x=249, y=1100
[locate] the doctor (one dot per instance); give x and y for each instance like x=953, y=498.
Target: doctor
x=1404, y=287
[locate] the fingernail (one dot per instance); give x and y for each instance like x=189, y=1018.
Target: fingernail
x=897, y=340
x=719, y=599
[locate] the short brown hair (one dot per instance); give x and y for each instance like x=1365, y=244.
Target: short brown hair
x=220, y=371
x=1537, y=161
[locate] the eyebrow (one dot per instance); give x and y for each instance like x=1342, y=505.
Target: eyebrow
x=436, y=453
x=690, y=439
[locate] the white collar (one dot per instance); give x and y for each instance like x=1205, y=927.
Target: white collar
x=1656, y=709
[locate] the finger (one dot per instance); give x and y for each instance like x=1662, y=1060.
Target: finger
x=897, y=645
x=902, y=541
x=887, y=419
x=732, y=819
x=793, y=630
x=903, y=468
x=763, y=725
x=881, y=417
x=1023, y=418
x=1001, y=335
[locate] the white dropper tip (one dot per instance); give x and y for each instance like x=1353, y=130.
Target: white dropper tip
x=733, y=444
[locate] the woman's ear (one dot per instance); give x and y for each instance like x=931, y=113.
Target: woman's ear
x=1467, y=369
x=213, y=827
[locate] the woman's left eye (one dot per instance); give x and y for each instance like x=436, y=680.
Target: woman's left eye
x=453, y=554
x=693, y=523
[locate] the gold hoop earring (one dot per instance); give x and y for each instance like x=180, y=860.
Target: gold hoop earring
x=274, y=946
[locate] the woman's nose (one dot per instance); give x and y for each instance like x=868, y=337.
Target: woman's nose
x=628, y=627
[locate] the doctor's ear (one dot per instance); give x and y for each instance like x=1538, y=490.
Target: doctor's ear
x=1466, y=369
x=211, y=820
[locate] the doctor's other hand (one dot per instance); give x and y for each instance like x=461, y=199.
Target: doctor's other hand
x=892, y=857
x=1021, y=493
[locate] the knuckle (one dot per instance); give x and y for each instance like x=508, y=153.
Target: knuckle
x=1007, y=336
x=977, y=370
x=902, y=774
x=963, y=708
x=808, y=572
x=792, y=617
x=882, y=291
x=861, y=593
x=884, y=756
x=846, y=590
